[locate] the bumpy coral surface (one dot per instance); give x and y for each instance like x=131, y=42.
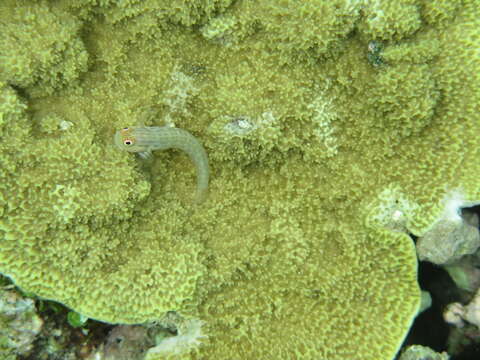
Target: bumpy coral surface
x=332, y=129
x=40, y=48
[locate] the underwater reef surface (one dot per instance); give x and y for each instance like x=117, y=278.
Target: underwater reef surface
x=333, y=129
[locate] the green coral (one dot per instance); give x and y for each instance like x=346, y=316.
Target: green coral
x=148, y=19
x=40, y=47
x=311, y=28
x=440, y=12
x=321, y=162
x=220, y=29
x=390, y=20
x=186, y=13
x=73, y=207
x=403, y=100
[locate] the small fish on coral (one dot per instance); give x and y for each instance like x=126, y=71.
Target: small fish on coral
x=145, y=139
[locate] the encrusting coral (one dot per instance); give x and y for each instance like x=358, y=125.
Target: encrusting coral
x=327, y=144
x=41, y=48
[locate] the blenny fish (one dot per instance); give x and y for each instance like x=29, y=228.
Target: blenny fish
x=145, y=139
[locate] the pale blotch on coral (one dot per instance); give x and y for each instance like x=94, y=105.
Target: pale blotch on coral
x=392, y=209
x=324, y=128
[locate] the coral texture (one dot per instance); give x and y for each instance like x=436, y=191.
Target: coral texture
x=332, y=129
x=40, y=47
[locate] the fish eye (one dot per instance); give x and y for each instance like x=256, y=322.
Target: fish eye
x=127, y=142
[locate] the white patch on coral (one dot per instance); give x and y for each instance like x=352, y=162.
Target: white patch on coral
x=189, y=336
x=65, y=202
x=392, y=209
x=65, y=125
x=176, y=97
x=397, y=215
x=267, y=118
x=453, y=203
x=242, y=125
x=323, y=116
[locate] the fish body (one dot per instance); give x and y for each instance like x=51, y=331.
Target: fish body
x=145, y=139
